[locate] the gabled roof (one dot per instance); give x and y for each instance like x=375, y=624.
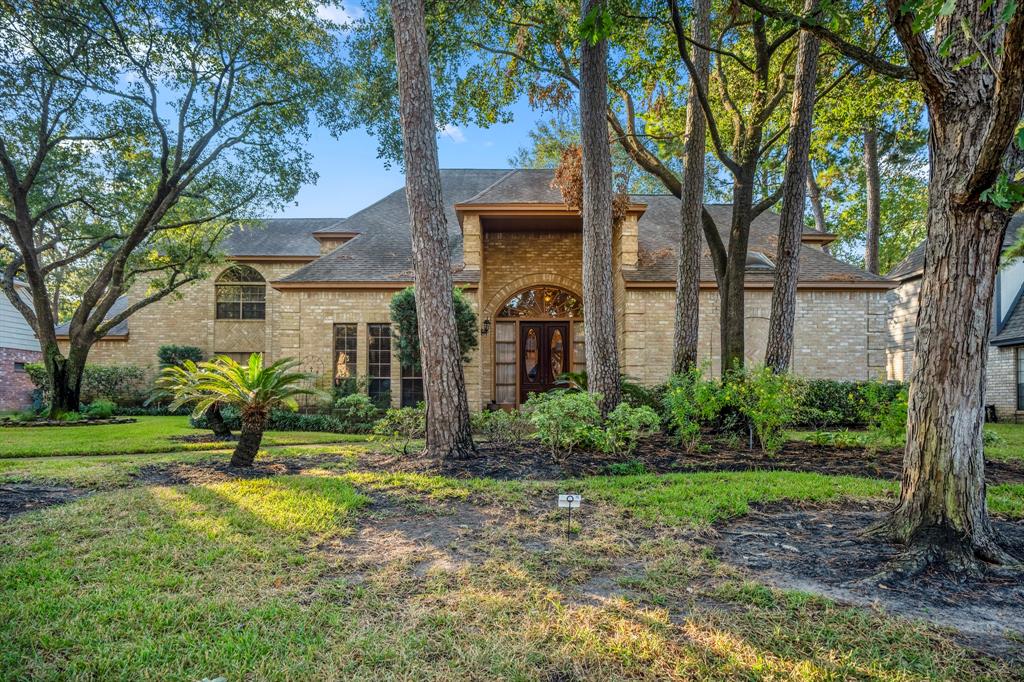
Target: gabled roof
x=913, y=265
x=118, y=330
x=383, y=253
x=383, y=250
x=280, y=237
x=1012, y=333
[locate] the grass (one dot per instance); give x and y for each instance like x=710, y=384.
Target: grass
x=148, y=434
x=239, y=579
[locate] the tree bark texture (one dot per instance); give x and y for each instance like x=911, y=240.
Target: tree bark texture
x=973, y=116
x=687, y=320
x=247, y=447
x=779, y=351
x=447, y=424
x=216, y=421
x=598, y=303
x=873, y=190
x=814, y=194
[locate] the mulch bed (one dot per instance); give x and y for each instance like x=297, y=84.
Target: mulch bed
x=533, y=461
x=822, y=550
x=10, y=423
x=16, y=498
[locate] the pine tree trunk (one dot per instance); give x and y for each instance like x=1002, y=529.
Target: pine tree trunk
x=733, y=296
x=942, y=510
x=873, y=191
x=779, y=352
x=598, y=303
x=687, y=322
x=447, y=426
x=814, y=195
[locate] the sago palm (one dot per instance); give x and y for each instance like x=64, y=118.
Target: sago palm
x=179, y=381
x=253, y=388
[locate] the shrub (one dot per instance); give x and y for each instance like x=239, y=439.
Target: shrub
x=990, y=437
x=171, y=354
x=69, y=416
x=826, y=403
x=626, y=425
x=886, y=416
x=356, y=412
x=280, y=420
x=100, y=409
x=637, y=395
x=406, y=328
x=690, y=401
x=565, y=420
x=399, y=427
x=767, y=400
x=123, y=384
x=503, y=427
x=151, y=411
x=633, y=467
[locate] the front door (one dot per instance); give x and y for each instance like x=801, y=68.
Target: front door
x=543, y=356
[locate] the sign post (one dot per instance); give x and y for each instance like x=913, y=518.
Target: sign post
x=569, y=501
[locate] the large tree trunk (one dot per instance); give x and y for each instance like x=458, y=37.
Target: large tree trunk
x=248, y=445
x=447, y=428
x=873, y=190
x=814, y=195
x=779, y=352
x=598, y=303
x=732, y=298
x=65, y=375
x=687, y=323
x=942, y=512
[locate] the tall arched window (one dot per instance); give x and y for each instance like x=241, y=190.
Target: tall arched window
x=241, y=294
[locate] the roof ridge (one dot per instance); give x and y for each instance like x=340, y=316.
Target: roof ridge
x=491, y=186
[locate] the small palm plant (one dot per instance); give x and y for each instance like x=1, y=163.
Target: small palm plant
x=180, y=380
x=253, y=388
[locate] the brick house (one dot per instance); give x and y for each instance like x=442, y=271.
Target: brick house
x=319, y=289
x=18, y=346
x=1004, y=384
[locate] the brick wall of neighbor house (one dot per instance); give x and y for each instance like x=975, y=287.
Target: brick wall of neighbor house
x=1001, y=381
x=190, y=320
x=839, y=334
x=902, y=326
x=15, y=386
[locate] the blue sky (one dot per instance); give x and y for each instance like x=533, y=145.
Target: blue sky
x=352, y=177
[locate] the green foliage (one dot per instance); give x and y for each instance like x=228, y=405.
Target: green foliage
x=281, y=420
x=100, y=409
x=844, y=439
x=71, y=416
x=690, y=401
x=406, y=329
x=992, y=438
x=356, y=412
x=565, y=420
x=399, y=427
x=886, y=415
x=767, y=400
x=124, y=384
x=633, y=467
x=826, y=403
x=171, y=354
x=503, y=427
x=625, y=426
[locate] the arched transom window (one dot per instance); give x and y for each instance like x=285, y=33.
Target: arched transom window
x=241, y=294
x=541, y=302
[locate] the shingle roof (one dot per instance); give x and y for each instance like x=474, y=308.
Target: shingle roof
x=119, y=329
x=913, y=265
x=1012, y=333
x=382, y=252
x=280, y=237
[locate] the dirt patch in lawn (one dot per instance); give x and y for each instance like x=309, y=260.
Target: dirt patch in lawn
x=202, y=473
x=16, y=498
x=532, y=461
x=203, y=438
x=821, y=550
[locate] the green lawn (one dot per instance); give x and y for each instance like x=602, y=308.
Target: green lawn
x=148, y=434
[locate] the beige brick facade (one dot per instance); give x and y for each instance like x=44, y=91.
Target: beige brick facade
x=840, y=333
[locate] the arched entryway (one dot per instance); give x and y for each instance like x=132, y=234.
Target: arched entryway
x=538, y=336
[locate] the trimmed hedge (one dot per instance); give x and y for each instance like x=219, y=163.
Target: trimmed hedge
x=282, y=420
x=827, y=403
x=123, y=384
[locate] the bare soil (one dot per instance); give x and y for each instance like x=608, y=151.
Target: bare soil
x=16, y=498
x=532, y=461
x=822, y=550
x=203, y=438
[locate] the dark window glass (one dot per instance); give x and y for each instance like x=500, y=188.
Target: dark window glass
x=1020, y=378
x=19, y=367
x=412, y=387
x=379, y=362
x=344, y=352
x=241, y=294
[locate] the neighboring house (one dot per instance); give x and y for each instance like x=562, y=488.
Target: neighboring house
x=18, y=346
x=1005, y=371
x=319, y=290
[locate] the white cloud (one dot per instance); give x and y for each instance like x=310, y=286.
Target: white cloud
x=454, y=132
x=337, y=13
